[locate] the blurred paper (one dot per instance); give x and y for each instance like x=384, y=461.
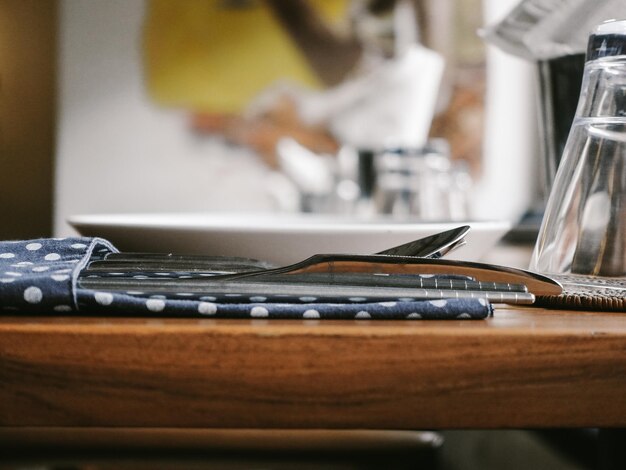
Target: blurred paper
x=546, y=29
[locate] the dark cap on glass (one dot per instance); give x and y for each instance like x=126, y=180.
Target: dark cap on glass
x=608, y=40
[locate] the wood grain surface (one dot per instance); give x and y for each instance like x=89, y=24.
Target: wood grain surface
x=521, y=368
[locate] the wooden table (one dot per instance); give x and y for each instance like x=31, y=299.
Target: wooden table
x=524, y=367
x=175, y=386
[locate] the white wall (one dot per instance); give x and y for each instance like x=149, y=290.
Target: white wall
x=509, y=183
x=117, y=152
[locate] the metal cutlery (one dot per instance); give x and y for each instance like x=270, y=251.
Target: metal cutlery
x=434, y=246
x=386, y=275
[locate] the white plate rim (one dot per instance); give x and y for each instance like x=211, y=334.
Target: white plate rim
x=272, y=222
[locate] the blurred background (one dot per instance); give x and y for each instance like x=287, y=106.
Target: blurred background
x=353, y=107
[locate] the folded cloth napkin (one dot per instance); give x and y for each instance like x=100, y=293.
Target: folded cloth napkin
x=41, y=276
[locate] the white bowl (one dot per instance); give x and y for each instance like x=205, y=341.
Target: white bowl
x=277, y=238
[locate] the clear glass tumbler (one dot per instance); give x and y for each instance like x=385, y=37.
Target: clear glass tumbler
x=584, y=226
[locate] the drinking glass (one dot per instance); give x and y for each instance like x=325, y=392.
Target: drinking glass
x=584, y=225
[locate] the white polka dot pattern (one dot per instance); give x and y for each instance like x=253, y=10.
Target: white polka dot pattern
x=155, y=305
x=259, y=312
x=33, y=295
x=37, y=275
x=207, y=308
x=41, y=272
x=311, y=314
x=104, y=298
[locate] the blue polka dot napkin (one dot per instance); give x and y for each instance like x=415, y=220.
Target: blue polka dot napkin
x=41, y=276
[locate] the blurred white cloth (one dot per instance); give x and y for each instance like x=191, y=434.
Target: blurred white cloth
x=391, y=104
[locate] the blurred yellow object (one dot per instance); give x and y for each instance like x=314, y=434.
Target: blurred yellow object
x=215, y=55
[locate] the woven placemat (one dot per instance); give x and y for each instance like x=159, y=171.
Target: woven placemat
x=581, y=292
